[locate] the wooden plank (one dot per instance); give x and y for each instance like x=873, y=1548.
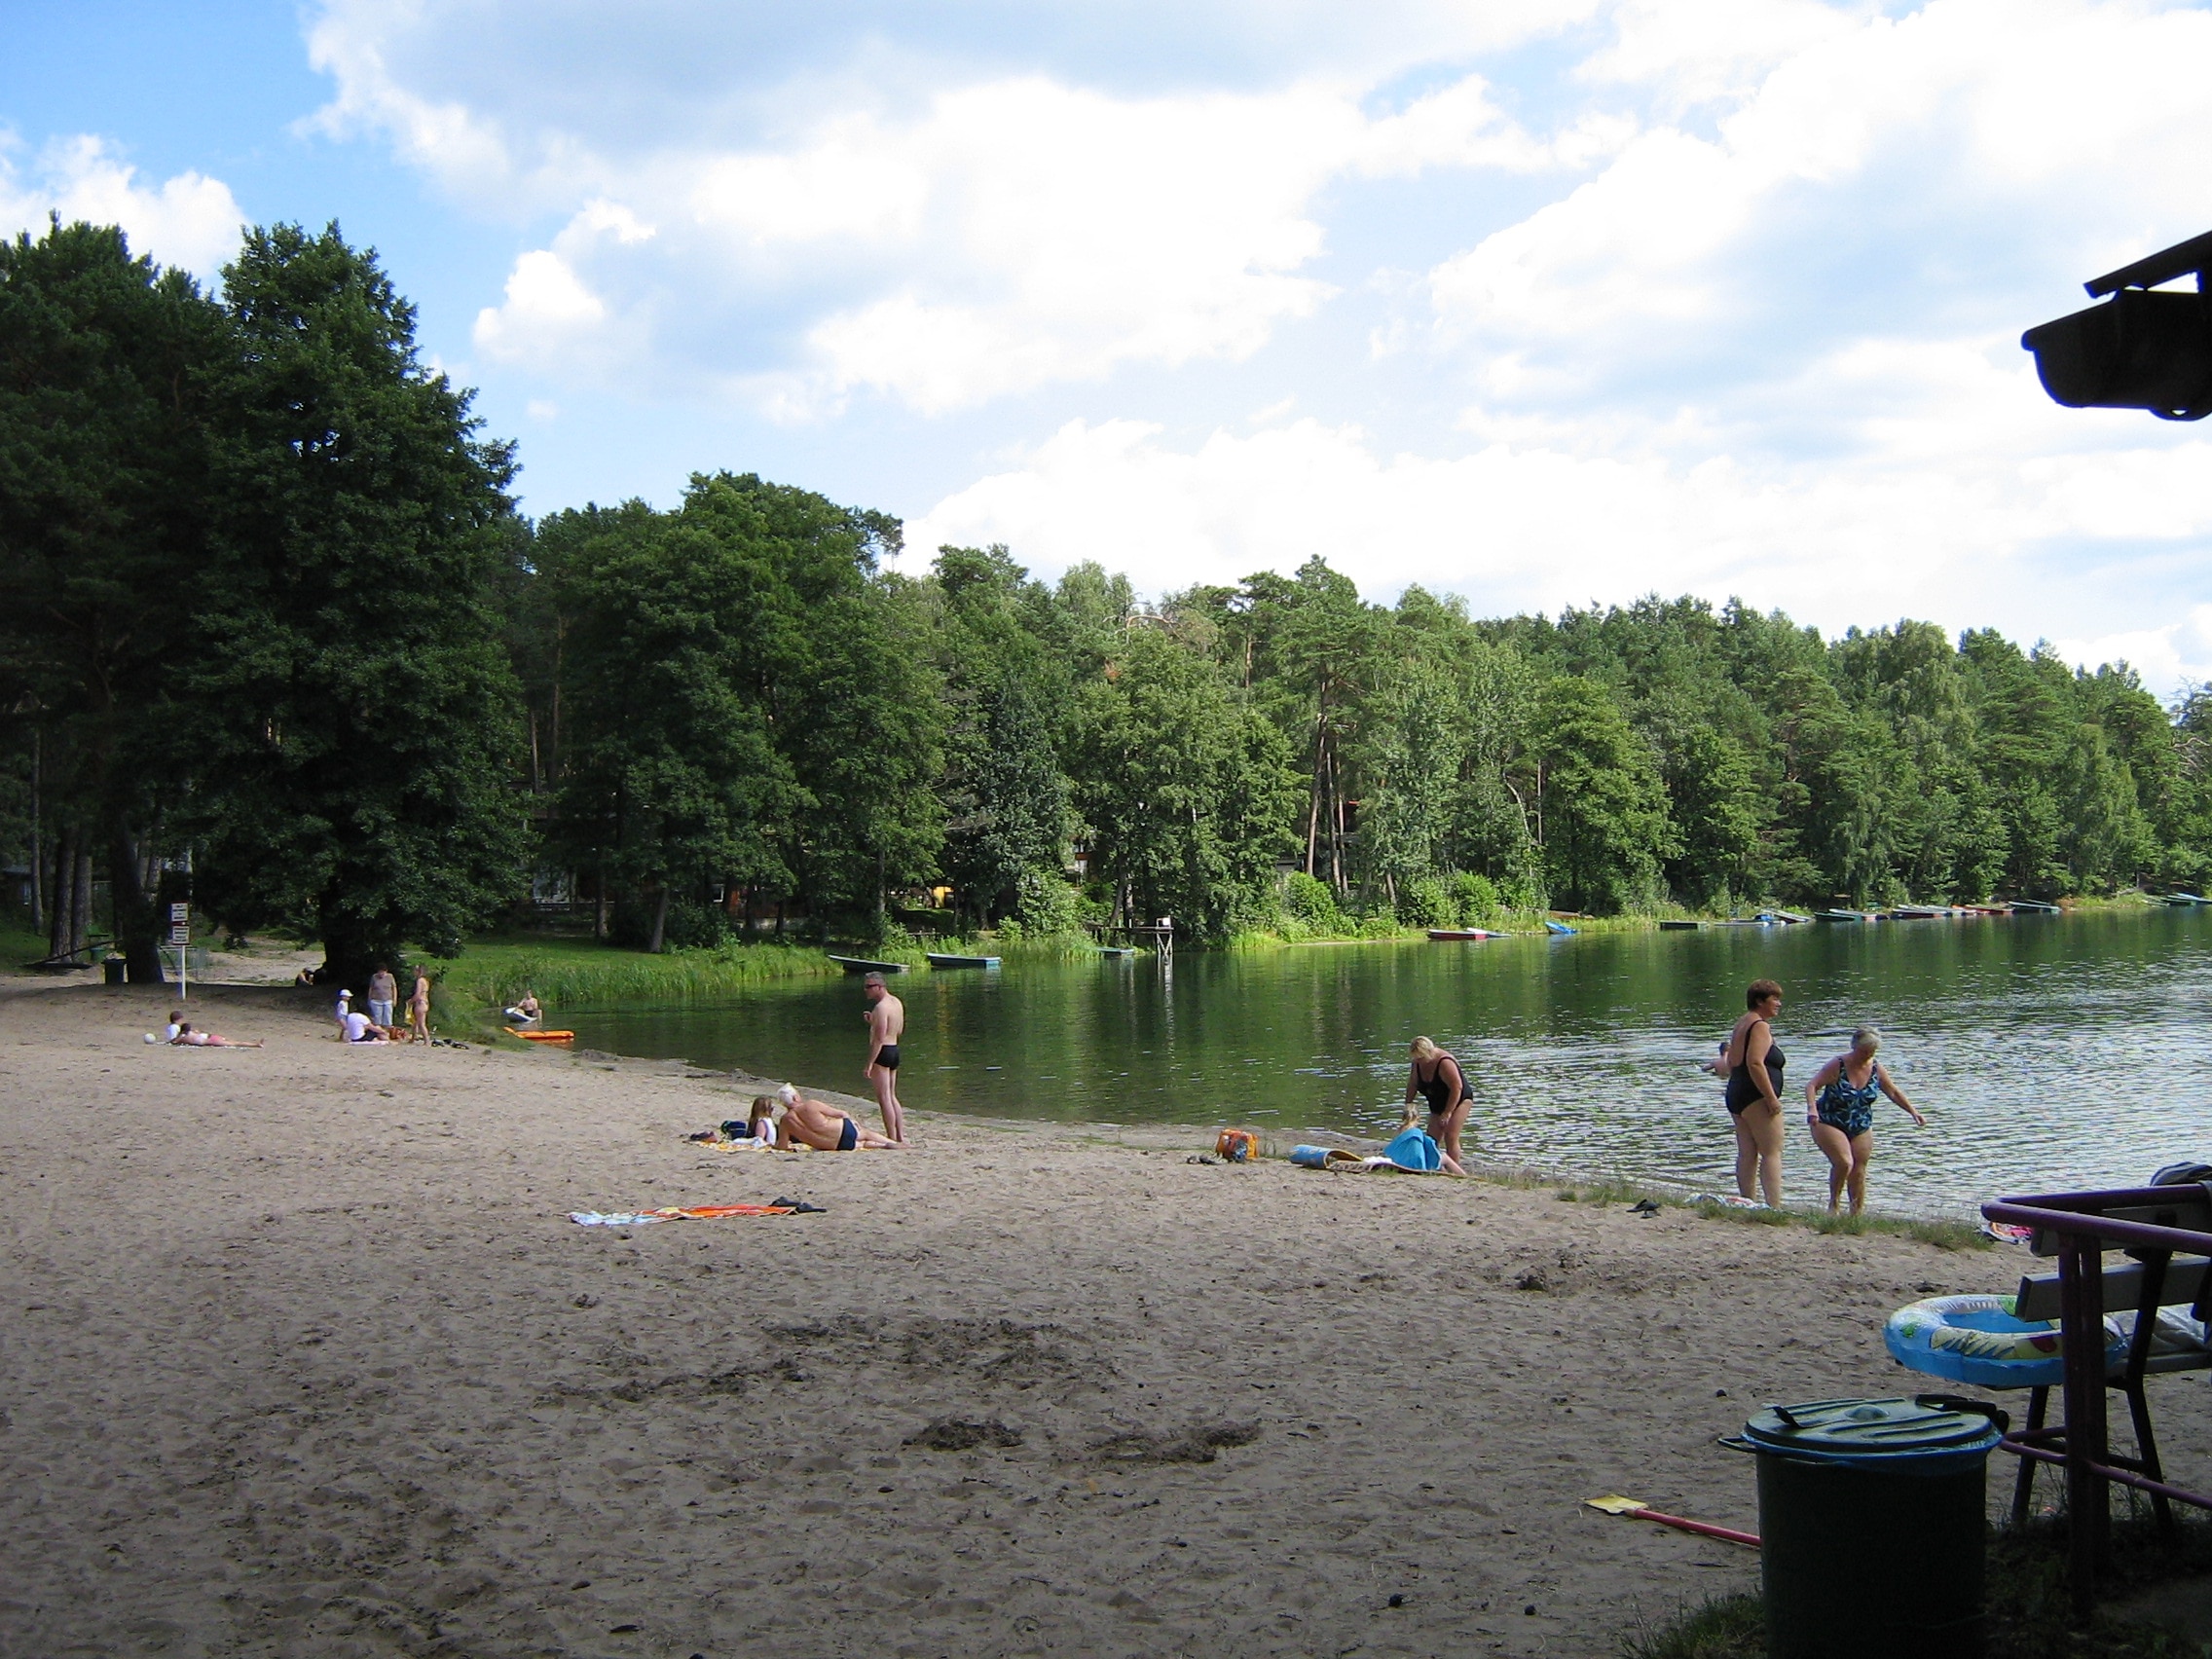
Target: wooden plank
x=2186, y=1276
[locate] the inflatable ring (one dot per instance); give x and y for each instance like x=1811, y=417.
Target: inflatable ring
x=1979, y=1340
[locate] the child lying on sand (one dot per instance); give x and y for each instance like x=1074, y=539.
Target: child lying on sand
x=187, y=1038
x=817, y=1124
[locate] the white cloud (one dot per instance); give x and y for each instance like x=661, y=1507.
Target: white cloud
x=190, y=220
x=1010, y=235
x=2083, y=121
x=547, y=307
x=463, y=150
x=1521, y=526
x=1696, y=53
x=2169, y=658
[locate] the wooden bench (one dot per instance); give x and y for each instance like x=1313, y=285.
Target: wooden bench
x=2146, y=1287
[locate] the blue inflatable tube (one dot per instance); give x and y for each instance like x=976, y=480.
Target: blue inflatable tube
x=1978, y=1340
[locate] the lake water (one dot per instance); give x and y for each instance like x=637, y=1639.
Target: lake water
x=2047, y=1051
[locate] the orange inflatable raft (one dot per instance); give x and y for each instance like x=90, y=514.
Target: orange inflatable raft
x=542, y=1036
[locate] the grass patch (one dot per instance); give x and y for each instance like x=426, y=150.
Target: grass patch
x=2031, y=1613
x=492, y=973
x=19, y=944
x=569, y=972
x=1612, y=1190
x=1722, y=1627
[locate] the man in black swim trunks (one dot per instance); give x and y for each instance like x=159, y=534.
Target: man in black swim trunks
x=807, y=1122
x=886, y=1023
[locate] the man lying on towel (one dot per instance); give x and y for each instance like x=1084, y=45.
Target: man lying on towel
x=820, y=1124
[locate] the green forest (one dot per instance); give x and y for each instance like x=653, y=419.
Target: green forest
x=276, y=639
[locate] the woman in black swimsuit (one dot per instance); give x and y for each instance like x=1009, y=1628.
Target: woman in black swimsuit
x=1754, y=1064
x=1437, y=1078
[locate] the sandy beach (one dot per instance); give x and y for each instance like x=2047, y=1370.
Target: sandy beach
x=304, y=1356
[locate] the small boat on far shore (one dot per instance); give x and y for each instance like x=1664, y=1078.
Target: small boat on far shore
x=1842, y=916
x=1116, y=951
x=1558, y=930
x=1457, y=936
x=864, y=965
x=1681, y=926
x=2186, y=898
x=946, y=959
x=2033, y=908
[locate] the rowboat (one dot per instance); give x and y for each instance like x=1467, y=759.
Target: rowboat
x=1841, y=916
x=1788, y=917
x=945, y=959
x=1681, y=927
x=2186, y=898
x=1457, y=936
x=1558, y=930
x=2034, y=908
x=1920, y=912
x=1116, y=951
x=863, y=965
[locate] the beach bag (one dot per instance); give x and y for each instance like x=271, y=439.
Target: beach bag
x=1238, y=1146
x=1413, y=1149
x=1323, y=1157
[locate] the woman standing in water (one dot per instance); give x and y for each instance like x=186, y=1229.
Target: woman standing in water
x=1839, y=1105
x=1436, y=1076
x=1753, y=1063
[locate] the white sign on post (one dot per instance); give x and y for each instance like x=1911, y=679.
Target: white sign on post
x=180, y=936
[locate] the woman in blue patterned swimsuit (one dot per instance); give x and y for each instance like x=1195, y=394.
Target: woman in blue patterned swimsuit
x=1839, y=1108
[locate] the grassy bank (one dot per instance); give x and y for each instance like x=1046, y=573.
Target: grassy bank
x=2031, y=1615
x=1346, y=929
x=19, y=944
x=1944, y=1235
x=492, y=973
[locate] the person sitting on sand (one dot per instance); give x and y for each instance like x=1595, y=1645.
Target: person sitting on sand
x=763, y=1127
x=1412, y=1156
x=1839, y=1106
x=187, y=1038
x=176, y=1024
x=360, y=1028
x=819, y=1124
x=529, y=1011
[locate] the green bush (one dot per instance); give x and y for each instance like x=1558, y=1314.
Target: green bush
x=1426, y=904
x=1311, y=903
x=1474, y=899
x=1044, y=905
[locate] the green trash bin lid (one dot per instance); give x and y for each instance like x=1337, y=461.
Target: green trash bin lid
x=1840, y=1430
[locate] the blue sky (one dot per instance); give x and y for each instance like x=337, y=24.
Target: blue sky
x=1563, y=302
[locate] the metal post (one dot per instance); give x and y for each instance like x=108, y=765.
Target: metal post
x=2088, y=1515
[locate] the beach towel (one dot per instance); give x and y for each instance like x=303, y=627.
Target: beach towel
x=1413, y=1149
x=692, y=1212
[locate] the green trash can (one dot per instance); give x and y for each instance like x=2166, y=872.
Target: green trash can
x=1872, y=1519
x=113, y=971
